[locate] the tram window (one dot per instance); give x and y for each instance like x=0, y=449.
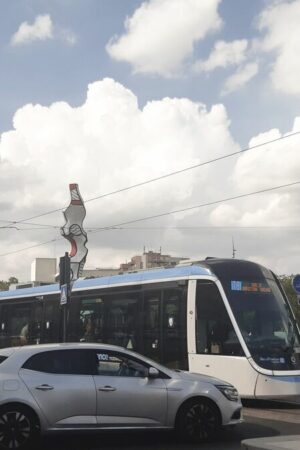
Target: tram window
x=109, y=318
x=214, y=331
x=19, y=325
x=90, y=320
x=122, y=319
x=4, y=341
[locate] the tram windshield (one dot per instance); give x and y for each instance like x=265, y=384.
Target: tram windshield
x=266, y=323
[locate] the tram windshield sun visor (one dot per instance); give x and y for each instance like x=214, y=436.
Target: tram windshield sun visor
x=265, y=323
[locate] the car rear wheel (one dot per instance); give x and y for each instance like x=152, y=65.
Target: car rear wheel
x=19, y=428
x=198, y=420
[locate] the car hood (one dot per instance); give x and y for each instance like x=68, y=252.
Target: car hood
x=188, y=376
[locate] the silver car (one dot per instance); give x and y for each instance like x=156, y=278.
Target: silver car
x=56, y=387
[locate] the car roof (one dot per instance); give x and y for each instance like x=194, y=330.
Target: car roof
x=60, y=346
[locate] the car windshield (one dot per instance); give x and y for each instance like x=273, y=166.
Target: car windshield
x=266, y=322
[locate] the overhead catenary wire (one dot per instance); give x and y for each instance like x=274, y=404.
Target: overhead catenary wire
x=152, y=180
x=215, y=202
x=199, y=227
x=28, y=248
x=202, y=205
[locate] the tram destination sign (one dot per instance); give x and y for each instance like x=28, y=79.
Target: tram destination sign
x=296, y=283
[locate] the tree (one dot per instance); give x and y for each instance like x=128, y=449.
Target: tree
x=13, y=280
x=4, y=285
x=286, y=281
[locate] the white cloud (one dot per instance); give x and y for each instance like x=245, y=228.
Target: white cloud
x=240, y=78
x=109, y=143
x=224, y=54
x=161, y=34
x=280, y=161
x=40, y=30
x=68, y=37
x=106, y=144
x=281, y=24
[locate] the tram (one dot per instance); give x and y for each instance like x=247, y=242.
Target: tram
x=221, y=317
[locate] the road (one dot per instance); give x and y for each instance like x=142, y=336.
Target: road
x=252, y=427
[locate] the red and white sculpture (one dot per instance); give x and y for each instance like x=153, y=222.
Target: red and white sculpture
x=73, y=231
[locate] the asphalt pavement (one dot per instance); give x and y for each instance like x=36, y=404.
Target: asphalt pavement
x=252, y=427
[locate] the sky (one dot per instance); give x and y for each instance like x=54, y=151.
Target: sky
x=111, y=94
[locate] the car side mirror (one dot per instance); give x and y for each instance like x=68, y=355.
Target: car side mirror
x=153, y=372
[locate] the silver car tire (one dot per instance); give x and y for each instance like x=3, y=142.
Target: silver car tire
x=198, y=420
x=19, y=428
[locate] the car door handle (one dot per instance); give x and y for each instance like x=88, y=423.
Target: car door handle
x=44, y=387
x=107, y=388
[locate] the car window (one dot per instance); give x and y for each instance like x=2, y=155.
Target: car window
x=116, y=364
x=71, y=362
x=2, y=358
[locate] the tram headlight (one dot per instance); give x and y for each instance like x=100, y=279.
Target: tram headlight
x=229, y=392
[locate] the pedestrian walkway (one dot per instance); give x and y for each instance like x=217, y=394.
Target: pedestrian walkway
x=283, y=415
x=272, y=443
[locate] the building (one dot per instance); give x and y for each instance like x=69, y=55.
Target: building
x=100, y=272
x=150, y=260
x=46, y=270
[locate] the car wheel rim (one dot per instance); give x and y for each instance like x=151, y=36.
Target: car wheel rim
x=14, y=429
x=201, y=421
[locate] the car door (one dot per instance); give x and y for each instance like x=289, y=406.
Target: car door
x=62, y=384
x=125, y=395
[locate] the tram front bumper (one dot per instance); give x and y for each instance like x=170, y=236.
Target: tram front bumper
x=278, y=387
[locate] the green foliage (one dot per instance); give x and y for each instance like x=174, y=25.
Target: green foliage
x=286, y=282
x=4, y=285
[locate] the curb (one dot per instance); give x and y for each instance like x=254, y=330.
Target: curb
x=276, y=443
x=271, y=414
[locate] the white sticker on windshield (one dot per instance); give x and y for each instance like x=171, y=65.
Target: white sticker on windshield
x=102, y=356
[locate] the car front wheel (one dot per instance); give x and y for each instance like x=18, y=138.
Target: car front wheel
x=198, y=420
x=19, y=428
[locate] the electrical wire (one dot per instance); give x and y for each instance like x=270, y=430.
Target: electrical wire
x=152, y=180
x=201, y=227
x=202, y=205
x=28, y=248
x=236, y=197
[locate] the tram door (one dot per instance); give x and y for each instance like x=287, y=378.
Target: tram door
x=164, y=325
x=152, y=338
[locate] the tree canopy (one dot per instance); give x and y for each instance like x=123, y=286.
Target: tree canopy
x=286, y=281
x=4, y=285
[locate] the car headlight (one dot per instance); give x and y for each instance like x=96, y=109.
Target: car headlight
x=229, y=392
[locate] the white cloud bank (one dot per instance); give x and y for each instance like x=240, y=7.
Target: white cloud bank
x=281, y=22
x=224, y=54
x=161, y=34
x=110, y=143
x=42, y=29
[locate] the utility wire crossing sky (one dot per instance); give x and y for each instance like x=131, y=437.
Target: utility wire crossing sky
x=128, y=99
